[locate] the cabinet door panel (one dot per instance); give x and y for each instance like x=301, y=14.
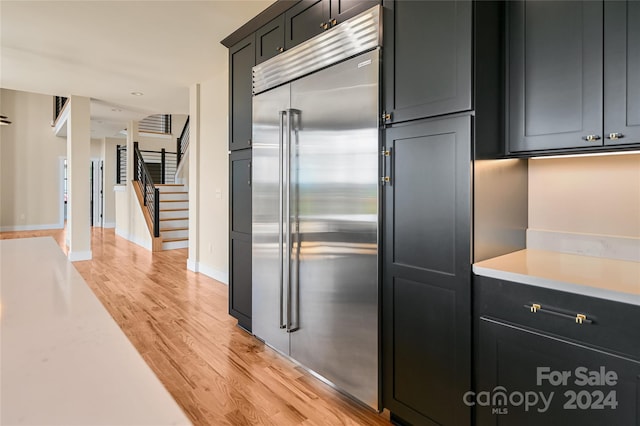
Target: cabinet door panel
x=427, y=58
x=240, y=279
x=304, y=20
x=241, y=60
x=270, y=40
x=555, y=74
x=426, y=284
x=240, y=191
x=342, y=10
x=622, y=71
x=510, y=357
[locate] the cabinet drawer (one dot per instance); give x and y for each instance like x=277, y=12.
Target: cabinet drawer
x=608, y=324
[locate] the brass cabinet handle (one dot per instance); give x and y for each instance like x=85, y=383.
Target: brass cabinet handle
x=578, y=318
x=333, y=22
x=614, y=136
x=280, y=49
x=591, y=138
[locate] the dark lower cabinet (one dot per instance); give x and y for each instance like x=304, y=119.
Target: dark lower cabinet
x=622, y=72
x=561, y=382
x=427, y=58
x=426, y=298
x=240, y=237
x=542, y=367
x=242, y=58
x=240, y=278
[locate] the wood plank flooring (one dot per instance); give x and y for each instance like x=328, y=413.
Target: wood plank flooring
x=178, y=321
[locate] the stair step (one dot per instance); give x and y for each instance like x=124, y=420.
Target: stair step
x=169, y=184
x=171, y=240
x=174, y=192
x=173, y=201
x=174, y=210
x=182, y=228
x=174, y=218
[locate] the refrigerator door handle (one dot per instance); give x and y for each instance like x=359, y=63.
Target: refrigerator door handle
x=287, y=225
x=293, y=126
x=281, y=243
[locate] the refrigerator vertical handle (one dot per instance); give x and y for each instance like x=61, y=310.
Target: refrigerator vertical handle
x=293, y=126
x=281, y=243
x=287, y=215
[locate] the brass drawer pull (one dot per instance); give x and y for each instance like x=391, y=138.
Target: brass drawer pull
x=577, y=318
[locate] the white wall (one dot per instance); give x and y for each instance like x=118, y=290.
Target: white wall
x=209, y=254
x=30, y=172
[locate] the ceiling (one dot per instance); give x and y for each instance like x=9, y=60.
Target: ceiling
x=107, y=49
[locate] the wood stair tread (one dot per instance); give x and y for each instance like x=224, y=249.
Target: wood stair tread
x=174, y=210
x=169, y=184
x=174, y=201
x=174, y=218
x=173, y=240
x=174, y=229
x=174, y=192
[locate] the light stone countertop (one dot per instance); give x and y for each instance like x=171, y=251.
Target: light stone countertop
x=64, y=359
x=610, y=279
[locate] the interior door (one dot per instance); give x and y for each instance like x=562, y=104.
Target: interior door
x=269, y=123
x=334, y=205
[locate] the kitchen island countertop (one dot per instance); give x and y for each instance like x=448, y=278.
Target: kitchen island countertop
x=64, y=359
x=611, y=279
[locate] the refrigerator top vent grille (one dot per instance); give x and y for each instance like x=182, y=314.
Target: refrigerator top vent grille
x=354, y=36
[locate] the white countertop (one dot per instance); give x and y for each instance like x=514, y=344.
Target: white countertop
x=64, y=359
x=610, y=279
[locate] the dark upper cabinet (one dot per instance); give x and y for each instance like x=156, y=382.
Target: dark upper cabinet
x=305, y=20
x=622, y=72
x=555, y=74
x=270, y=40
x=242, y=58
x=342, y=10
x=427, y=58
x=426, y=299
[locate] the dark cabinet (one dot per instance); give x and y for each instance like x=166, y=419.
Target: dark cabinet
x=342, y=10
x=426, y=271
x=242, y=58
x=270, y=40
x=240, y=278
x=589, y=371
x=622, y=72
x=240, y=237
x=240, y=191
x=574, y=75
x=555, y=74
x=305, y=20
x=427, y=58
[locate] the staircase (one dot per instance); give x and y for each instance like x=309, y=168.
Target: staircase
x=174, y=216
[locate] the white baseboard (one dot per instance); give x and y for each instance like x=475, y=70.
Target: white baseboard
x=45, y=227
x=606, y=246
x=221, y=276
x=109, y=225
x=75, y=256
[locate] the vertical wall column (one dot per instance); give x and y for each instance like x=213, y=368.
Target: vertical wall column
x=194, y=178
x=78, y=178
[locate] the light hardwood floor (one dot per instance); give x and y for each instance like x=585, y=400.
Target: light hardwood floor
x=178, y=321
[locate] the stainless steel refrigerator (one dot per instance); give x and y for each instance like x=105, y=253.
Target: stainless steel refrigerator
x=315, y=192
